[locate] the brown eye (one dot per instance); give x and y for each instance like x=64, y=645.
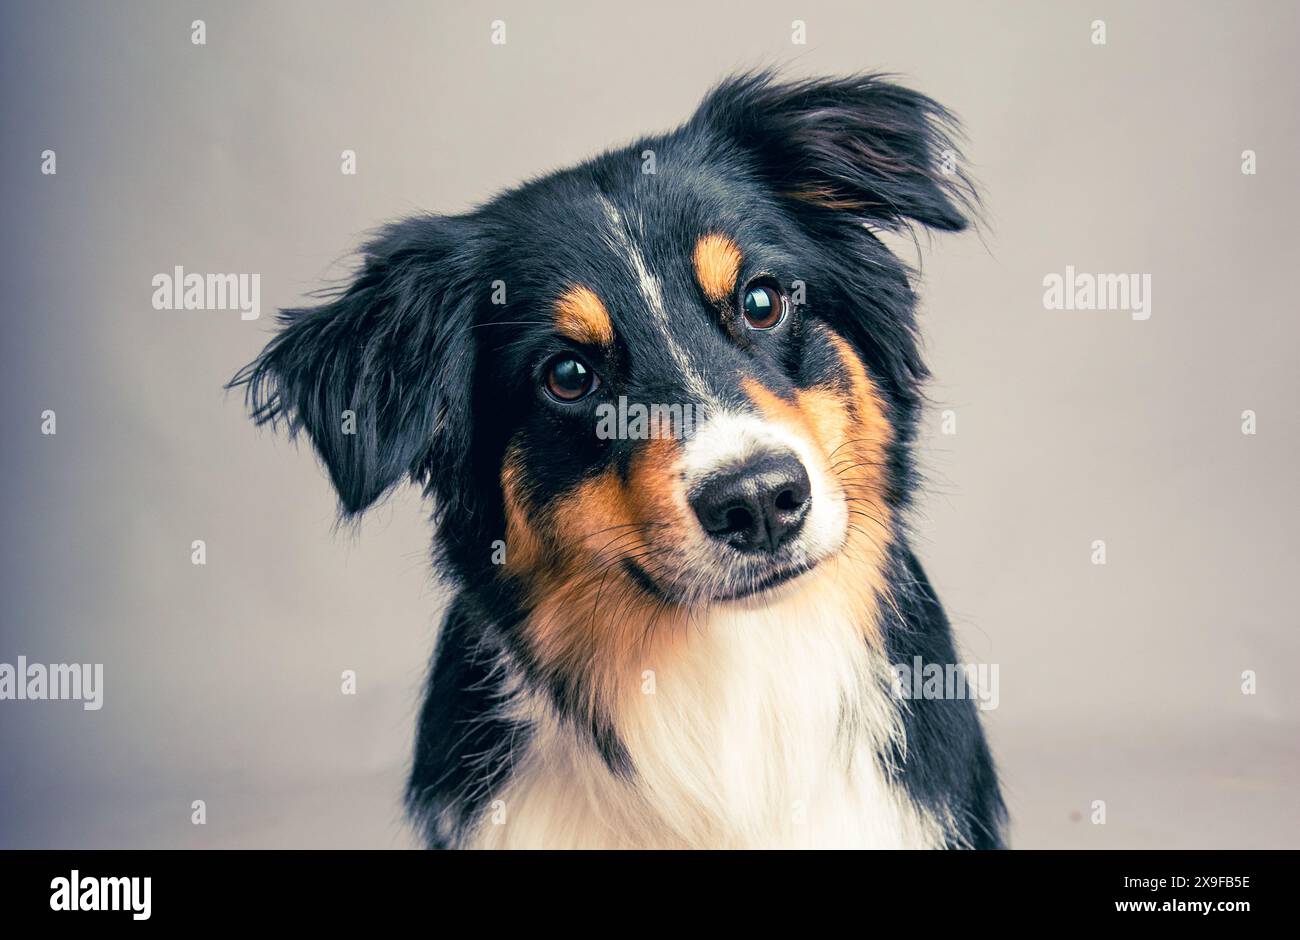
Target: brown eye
x=764, y=305
x=569, y=379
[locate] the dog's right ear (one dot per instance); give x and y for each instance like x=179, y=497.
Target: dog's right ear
x=379, y=377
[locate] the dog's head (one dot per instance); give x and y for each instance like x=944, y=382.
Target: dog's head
x=682, y=373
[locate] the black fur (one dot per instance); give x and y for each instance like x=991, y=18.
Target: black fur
x=440, y=378
x=952, y=769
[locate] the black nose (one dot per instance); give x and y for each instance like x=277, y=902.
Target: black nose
x=757, y=506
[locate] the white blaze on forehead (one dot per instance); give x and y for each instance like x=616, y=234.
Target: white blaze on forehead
x=621, y=240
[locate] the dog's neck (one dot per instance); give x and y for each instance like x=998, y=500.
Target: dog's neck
x=763, y=725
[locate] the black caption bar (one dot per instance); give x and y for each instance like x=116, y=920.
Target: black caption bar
x=181, y=888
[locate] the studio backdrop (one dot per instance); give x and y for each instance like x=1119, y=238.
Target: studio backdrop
x=1109, y=510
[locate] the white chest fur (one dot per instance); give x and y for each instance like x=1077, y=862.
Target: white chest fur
x=762, y=731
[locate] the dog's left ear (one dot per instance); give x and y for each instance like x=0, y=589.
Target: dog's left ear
x=380, y=376
x=861, y=145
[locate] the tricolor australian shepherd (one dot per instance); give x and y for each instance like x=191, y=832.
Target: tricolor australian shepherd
x=665, y=403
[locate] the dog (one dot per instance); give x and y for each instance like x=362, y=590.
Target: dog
x=666, y=633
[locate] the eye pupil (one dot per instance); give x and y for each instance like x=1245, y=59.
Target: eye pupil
x=569, y=379
x=764, y=306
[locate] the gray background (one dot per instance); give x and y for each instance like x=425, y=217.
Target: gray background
x=1118, y=683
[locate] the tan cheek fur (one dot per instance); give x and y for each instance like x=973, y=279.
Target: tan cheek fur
x=588, y=616
x=852, y=433
x=524, y=549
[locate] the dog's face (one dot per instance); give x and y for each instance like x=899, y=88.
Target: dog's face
x=682, y=374
x=677, y=412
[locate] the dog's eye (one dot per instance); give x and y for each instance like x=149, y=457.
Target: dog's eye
x=569, y=379
x=764, y=305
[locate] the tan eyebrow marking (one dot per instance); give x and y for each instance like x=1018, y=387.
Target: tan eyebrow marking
x=580, y=315
x=717, y=265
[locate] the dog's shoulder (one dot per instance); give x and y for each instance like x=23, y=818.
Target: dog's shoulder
x=953, y=776
x=463, y=736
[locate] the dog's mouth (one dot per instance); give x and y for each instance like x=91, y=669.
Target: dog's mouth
x=748, y=587
x=766, y=583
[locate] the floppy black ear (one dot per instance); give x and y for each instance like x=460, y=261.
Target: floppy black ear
x=862, y=144
x=379, y=377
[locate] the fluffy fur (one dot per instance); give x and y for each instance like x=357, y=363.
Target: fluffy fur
x=666, y=640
